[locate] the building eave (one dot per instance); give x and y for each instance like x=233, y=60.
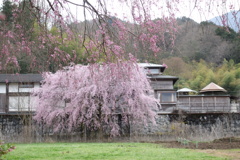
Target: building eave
x=15, y=78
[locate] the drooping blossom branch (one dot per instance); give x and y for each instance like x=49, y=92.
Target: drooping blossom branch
x=107, y=39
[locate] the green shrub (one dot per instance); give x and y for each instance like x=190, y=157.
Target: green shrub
x=5, y=148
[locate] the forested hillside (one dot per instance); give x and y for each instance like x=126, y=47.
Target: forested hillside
x=193, y=41
x=205, y=41
x=196, y=75
x=205, y=53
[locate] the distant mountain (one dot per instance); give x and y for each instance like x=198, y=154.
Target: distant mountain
x=196, y=41
x=231, y=19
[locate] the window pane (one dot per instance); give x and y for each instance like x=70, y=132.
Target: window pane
x=168, y=97
x=33, y=103
x=25, y=89
x=19, y=103
x=154, y=71
x=23, y=103
x=13, y=103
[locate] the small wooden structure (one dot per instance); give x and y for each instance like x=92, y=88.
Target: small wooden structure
x=212, y=88
x=214, y=100
x=204, y=103
x=185, y=91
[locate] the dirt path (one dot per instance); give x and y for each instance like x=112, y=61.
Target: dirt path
x=232, y=154
x=224, y=147
x=223, y=143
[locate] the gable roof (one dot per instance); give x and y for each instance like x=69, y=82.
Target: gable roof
x=212, y=87
x=20, y=78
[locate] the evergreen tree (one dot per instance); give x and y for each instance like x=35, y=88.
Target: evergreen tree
x=7, y=10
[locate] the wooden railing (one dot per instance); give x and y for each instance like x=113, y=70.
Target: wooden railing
x=204, y=104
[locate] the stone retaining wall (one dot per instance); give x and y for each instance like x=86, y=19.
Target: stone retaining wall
x=202, y=127
x=171, y=125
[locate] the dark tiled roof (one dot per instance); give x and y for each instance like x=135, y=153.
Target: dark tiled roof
x=163, y=77
x=153, y=66
x=20, y=77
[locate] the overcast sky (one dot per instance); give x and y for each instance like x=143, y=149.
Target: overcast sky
x=198, y=10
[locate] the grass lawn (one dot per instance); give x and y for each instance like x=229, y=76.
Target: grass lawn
x=103, y=151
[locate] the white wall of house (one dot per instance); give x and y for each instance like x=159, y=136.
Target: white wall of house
x=22, y=89
x=36, y=85
x=2, y=88
x=25, y=89
x=13, y=87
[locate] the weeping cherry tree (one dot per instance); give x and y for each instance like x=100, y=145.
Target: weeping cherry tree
x=95, y=97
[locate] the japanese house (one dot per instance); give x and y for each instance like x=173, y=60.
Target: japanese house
x=162, y=86
x=15, y=92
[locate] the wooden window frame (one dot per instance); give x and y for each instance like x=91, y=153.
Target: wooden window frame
x=159, y=96
x=26, y=85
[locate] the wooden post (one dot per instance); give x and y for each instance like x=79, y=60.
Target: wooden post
x=189, y=101
x=7, y=98
x=214, y=103
x=85, y=133
x=202, y=104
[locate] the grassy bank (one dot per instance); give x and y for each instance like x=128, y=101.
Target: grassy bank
x=103, y=151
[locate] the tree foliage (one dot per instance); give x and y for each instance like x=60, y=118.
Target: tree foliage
x=202, y=73
x=229, y=34
x=226, y=33
x=7, y=10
